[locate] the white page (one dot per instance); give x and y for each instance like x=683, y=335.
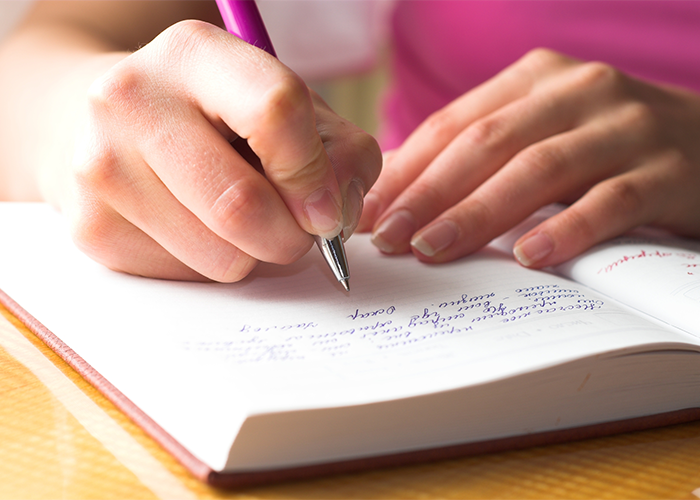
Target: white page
x=199, y=357
x=660, y=276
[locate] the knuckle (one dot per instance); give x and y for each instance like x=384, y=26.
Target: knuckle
x=301, y=176
x=626, y=195
x=100, y=172
x=96, y=235
x=364, y=157
x=536, y=64
x=368, y=145
x=601, y=75
x=233, y=268
x=309, y=172
x=184, y=37
x=235, y=208
x=294, y=253
x=119, y=91
x=679, y=166
x=544, y=162
x=487, y=132
x=575, y=222
x=540, y=58
x=426, y=194
x=355, y=155
x=439, y=123
x=481, y=216
x=283, y=111
x=125, y=88
x=372, y=161
x=640, y=116
x=286, y=100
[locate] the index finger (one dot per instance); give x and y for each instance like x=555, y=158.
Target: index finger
x=266, y=103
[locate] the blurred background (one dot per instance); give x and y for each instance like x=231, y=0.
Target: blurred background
x=338, y=47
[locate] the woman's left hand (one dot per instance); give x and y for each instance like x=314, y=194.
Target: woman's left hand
x=619, y=151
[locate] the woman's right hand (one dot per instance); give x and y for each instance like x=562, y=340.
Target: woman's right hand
x=162, y=182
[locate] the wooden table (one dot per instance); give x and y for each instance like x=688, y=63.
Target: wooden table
x=59, y=438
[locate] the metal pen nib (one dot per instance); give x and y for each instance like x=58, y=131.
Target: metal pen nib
x=334, y=253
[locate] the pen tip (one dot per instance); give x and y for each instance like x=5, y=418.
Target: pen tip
x=346, y=285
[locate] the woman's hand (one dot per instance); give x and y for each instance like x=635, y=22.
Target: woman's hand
x=621, y=152
x=162, y=180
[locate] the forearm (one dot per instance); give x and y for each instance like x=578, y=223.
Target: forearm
x=48, y=65
x=51, y=69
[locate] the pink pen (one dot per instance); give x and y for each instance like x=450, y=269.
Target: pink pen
x=242, y=18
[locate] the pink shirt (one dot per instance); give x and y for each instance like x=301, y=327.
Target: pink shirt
x=442, y=48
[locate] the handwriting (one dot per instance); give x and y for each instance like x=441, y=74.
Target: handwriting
x=298, y=326
x=643, y=254
x=466, y=299
x=390, y=327
x=357, y=314
x=245, y=352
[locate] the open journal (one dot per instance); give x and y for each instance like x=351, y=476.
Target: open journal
x=286, y=375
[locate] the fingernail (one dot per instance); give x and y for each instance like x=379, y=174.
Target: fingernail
x=395, y=231
x=323, y=213
x=533, y=249
x=435, y=238
x=352, y=210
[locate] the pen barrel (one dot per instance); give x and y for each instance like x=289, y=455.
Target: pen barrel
x=242, y=18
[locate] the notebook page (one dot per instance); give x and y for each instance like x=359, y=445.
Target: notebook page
x=199, y=357
x=660, y=276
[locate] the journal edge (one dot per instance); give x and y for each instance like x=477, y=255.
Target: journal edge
x=251, y=478
x=198, y=468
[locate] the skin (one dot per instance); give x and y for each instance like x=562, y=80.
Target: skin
x=174, y=149
x=618, y=151
x=136, y=150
